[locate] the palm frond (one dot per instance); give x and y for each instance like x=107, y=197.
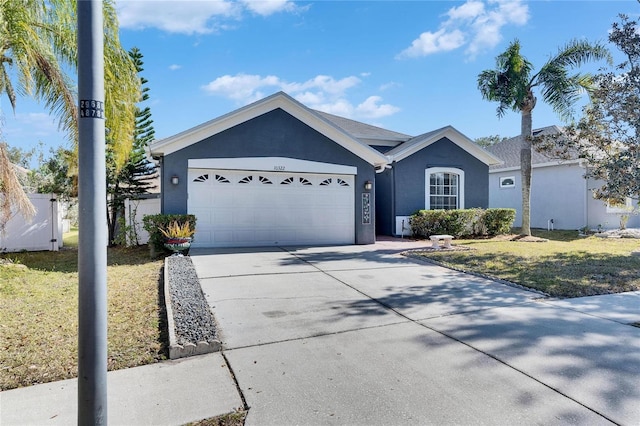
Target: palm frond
x=561, y=90
x=6, y=86
x=39, y=37
x=12, y=197
x=577, y=53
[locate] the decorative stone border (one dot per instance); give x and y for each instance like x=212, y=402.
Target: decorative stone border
x=189, y=349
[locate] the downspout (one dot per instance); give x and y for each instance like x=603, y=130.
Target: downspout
x=160, y=161
x=581, y=164
x=393, y=199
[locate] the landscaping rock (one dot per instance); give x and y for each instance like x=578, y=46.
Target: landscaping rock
x=620, y=233
x=192, y=327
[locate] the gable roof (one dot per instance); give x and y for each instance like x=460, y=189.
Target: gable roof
x=419, y=142
x=366, y=132
x=278, y=100
x=509, y=152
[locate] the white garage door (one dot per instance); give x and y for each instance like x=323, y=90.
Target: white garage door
x=237, y=208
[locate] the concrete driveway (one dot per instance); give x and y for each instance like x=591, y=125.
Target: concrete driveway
x=363, y=335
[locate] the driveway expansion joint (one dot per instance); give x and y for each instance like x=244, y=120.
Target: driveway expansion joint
x=245, y=406
x=257, y=274
x=312, y=336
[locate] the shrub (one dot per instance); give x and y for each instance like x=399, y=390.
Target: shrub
x=154, y=223
x=461, y=223
x=498, y=221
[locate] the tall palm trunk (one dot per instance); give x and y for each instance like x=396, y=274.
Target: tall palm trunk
x=526, y=134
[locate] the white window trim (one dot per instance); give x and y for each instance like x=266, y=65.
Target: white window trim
x=427, y=175
x=503, y=178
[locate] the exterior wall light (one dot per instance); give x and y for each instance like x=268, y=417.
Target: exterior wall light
x=174, y=180
x=368, y=185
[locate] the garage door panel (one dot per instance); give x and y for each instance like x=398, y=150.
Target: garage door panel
x=220, y=238
x=243, y=208
x=243, y=218
x=221, y=218
x=266, y=219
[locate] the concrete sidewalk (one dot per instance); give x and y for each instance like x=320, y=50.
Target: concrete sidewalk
x=362, y=335
x=167, y=393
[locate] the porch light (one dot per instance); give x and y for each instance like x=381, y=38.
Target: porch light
x=174, y=180
x=368, y=185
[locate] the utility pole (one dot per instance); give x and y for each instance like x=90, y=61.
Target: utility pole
x=92, y=202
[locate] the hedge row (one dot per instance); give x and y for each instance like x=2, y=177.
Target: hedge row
x=462, y=223
x=153, y=223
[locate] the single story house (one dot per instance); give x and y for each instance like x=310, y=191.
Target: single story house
x=276, y=172
x=561, y=197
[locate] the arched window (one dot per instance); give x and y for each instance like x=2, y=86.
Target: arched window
x=444, y=188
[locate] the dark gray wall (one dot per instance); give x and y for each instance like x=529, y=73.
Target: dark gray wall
x=274, y=134
x=410, y=178
x=384, y=203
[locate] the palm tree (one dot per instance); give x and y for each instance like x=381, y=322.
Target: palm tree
x=38, y=40
x=26, y=46
x=512, y=83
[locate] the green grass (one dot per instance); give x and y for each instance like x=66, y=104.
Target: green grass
x=565, y=266
x=39, y=313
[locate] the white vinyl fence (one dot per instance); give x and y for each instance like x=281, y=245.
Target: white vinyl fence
x=43, y=232
x=135, y=210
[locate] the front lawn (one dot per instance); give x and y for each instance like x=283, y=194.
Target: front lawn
x=39, y=313
x=565, y=266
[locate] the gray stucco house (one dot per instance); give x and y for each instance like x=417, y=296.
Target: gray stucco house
x=276, y=172
x=560, y=195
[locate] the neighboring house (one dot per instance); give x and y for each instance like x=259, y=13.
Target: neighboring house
x=278, y=173
x=560, y=195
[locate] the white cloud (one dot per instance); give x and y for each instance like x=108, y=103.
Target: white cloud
x=467, y=11
x=372, y=108
x=268, y=7
x=388, y=86
x=242, y=88
x=174, y=67
x=322, y=92
x=193, y=17
x=323, y=84
x=185, y=17
x=428, y=43
x=476, y=24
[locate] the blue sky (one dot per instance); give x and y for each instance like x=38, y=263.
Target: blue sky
x=408, y=66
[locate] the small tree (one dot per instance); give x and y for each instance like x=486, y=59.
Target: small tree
x=135, y=177
x=57, y=174
x=607, y=136
x=486, y=141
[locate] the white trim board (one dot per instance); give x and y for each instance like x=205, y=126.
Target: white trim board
x=271, y=164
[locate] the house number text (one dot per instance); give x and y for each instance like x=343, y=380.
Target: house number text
x=91, y=109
